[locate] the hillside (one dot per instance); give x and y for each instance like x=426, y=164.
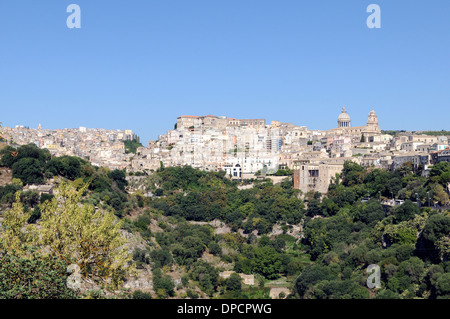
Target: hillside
x=192, y=230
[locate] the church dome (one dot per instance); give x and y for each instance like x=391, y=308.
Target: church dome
x=344, y=119
x=344, y=115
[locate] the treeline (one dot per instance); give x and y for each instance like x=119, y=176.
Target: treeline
x=204, y=196
x=31, y=165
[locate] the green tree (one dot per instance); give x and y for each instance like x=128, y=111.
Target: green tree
x=17, y=234
x=434, y=233
x=28, y=170
x=372, y=212
x=267, y=262
x=440, y=173
x=309, y=277
x=163, y=284
x=352, y=173
x=406, y=211
x=442, y=286
x=234, y=282
x=206, y=275
x=118, y=176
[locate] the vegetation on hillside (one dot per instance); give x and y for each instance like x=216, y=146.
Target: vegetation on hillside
x=197, y=224
x=131, y=145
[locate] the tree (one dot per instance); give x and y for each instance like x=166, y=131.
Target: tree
x=163, y=284
x=161, y=257
x=10, y=155
x=118, y=177
x=29, y=170
x=206, y=275
x=79, y=234
x=373, y=212
x=413, y=268
x=439, y=194
x=442, y=286
x=406, y=211
x=67, y=166
x=17, y=234
x=159, y=192
x=313, y=208
x=393, y=186
x=267, y=262
x=375, y=181
x=352, y=173
x=433, y=242
x=189, y=250
x=440, y=173
x=309, y=277
x=234, y=282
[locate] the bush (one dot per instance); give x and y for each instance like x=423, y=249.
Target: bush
x=138, y=294
x=163, y=284
x=192, y=294
x=33, y=276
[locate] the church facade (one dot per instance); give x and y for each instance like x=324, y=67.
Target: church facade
x=344, y=126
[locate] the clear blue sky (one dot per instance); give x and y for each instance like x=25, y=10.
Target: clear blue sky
x=139, y=64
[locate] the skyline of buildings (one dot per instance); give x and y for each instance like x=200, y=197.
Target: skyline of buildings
x=245, y=147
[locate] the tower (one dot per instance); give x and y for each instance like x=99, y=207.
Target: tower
x=372, y=123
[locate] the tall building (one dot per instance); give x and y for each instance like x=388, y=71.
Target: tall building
x=372, y=126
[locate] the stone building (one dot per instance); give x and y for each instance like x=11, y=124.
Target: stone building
x=188, y=121
x=316, y=176
x=440, y=156
x=345, y=128
x=416, y=159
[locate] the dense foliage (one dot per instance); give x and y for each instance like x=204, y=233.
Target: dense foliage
x=196, y=224
x=344, y=231
x=32, y=276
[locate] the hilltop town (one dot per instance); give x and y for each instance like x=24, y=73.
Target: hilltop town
x=244, y=148
x=231, y=208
